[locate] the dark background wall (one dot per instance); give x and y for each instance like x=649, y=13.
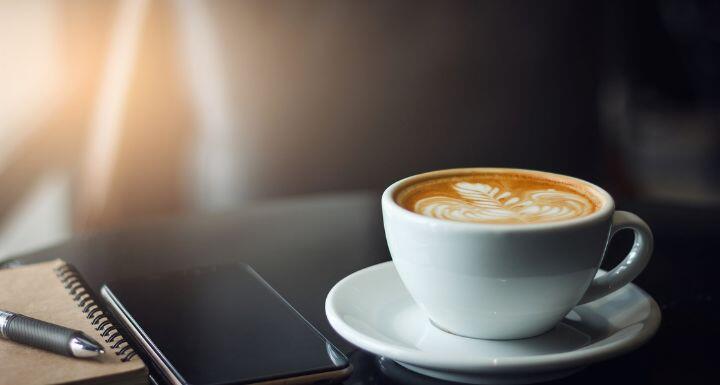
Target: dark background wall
x=229, y=102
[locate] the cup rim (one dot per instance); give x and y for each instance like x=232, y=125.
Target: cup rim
x=389, y=203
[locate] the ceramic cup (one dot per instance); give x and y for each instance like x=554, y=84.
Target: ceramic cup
x=507, y=281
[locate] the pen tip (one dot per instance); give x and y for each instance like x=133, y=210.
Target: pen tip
x=83, y=346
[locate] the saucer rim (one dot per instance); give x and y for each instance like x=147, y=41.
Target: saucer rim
x=553, y=361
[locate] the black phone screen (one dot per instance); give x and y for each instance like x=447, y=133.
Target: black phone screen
x=221, y=325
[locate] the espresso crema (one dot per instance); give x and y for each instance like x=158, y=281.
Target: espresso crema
x=499, y=197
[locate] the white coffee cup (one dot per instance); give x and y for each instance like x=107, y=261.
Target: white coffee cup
x=508, y=281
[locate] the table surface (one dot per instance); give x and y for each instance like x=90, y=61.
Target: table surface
x=304, y=245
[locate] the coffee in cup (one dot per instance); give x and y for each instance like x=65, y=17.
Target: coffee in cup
x=505, y=253
x=499, y=197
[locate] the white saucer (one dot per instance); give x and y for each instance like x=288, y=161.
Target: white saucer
x=372, y=309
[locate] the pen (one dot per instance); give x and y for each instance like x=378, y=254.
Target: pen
x=47, y=336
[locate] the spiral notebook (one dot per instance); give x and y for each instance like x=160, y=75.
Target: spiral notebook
x=55, y=292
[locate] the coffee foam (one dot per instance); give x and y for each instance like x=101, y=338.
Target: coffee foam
x=499, y=197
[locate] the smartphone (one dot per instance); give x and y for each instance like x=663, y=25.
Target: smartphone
x=221, y=325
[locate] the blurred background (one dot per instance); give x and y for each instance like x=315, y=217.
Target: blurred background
x=113, y=112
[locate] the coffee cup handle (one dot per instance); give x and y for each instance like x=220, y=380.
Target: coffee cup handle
x=634, y=262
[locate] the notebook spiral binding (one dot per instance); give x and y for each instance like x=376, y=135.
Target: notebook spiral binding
x=77, y=288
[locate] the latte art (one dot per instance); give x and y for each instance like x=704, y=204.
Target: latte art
x=500, y=197
x=479, y=202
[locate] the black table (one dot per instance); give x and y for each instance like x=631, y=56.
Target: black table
x=303, y=246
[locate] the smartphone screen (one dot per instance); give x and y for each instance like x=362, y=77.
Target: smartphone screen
x=220, y=325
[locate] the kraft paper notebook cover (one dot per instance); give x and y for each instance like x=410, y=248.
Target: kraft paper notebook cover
x=54, y=292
